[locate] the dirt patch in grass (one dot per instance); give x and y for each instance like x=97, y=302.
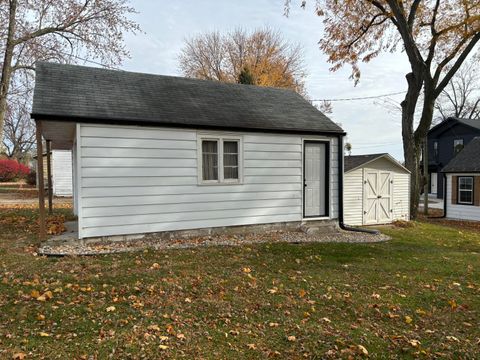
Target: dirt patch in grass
x=435, y=217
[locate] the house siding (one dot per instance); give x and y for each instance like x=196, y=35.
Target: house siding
x=353, y=197
x=139, y=180
x=445, y=137
x=458, y=211
x=62, y=172
x=354, y=186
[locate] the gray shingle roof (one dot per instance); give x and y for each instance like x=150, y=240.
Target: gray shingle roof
x=467, y=160
x=79, y=93
x=475, y=123
x=354, y=161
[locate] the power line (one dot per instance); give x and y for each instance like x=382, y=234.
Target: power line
x=362, y=98
x=91, y=61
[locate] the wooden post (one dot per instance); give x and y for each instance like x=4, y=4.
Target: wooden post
x=425, y=175
x=49, y=176
x=42, y=234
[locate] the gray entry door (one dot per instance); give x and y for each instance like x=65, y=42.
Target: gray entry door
x=315, y=173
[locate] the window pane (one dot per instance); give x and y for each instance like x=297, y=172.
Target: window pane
x=466, y=197
x=230, y=159
x=230, y=147
x=210, y=160
x=230, y=172
x=466, y=183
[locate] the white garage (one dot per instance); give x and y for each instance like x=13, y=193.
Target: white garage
x=376, y=190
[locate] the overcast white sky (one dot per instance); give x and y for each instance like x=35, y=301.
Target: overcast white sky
x=370, y=126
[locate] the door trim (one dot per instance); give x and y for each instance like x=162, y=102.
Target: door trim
x=327, y=179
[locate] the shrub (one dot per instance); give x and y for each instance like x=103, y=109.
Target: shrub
x=11, y=170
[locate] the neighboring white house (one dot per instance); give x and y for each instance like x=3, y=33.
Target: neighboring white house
x=463, y=183
x=61, y=163
x=376, y=190
x=62, y=172
x=157, y=153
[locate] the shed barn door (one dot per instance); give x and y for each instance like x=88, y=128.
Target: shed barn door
x=378, y=196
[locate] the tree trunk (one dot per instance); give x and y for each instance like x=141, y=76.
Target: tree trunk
x=7, y=65
x=411, y=149
x=412, y=161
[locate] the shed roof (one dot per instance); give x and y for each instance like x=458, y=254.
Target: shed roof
x=353, y=162
x=86, y=94
x=467, y=160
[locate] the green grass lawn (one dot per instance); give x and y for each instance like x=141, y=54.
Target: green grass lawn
x=415, y=296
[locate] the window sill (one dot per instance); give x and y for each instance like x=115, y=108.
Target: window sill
x=219, y=183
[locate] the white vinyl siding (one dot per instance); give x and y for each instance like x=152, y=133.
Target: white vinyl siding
x=139, y=180
x=62, y=172
x=353, y=197
x=354, y=191
x=459, y=211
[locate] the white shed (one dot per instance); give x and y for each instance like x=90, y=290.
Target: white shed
x=376, y=190
x=62, y=172
x=158, y=153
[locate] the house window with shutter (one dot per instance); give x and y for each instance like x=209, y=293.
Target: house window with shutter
x=465, y=190
x=219, y=159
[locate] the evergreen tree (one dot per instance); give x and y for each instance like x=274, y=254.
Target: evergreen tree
x=246, y=77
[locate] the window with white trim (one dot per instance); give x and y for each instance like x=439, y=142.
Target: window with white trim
x=465, y=190
x=219, y=159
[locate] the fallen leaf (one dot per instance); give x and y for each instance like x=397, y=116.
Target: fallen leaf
x=414, y=343
x=292, y=338
x=154, y=328
x=43, y=334
x=163, y=347
x=453, y=304
x=452, y=338
x=111, y=309
x=408, y=319
x=363, y=350
x=19, y=356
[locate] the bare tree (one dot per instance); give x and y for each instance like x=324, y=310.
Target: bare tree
x=60, y=31
x=19, y=130
x=270, y=60
x=437, y=36
x=461, y=98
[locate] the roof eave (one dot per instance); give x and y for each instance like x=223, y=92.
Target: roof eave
x=388, y=156
x=76, y=119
